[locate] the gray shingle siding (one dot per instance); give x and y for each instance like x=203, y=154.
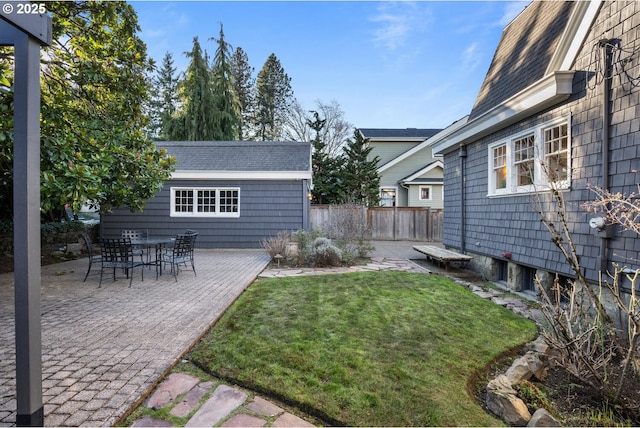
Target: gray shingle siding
x=509, y=224
x=266, y=207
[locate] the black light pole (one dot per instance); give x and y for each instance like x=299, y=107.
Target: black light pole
x=26, y=32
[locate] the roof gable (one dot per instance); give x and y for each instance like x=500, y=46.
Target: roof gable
x=524, y=53
x=239, y=155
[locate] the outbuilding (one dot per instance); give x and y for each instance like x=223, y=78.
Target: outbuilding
x=234, y=193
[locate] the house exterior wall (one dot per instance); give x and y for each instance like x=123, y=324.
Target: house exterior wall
x=266, y=208
x=436, y=201
x=387, y=151
x=391, y=177
x=493, y=226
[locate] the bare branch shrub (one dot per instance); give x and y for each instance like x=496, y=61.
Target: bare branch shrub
x=579, y=328
x=583, y=342
x=348, y=226
x=277, y=244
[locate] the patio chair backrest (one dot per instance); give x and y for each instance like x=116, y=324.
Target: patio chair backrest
x=183, y=247
x=116, y=252
x=134, y=233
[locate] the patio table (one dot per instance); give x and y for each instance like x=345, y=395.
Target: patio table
x=157, y=242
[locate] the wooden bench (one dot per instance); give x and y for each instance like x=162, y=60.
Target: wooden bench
x=441, y=255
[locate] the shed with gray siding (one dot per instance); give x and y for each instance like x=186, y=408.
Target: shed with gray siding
x=233, y=193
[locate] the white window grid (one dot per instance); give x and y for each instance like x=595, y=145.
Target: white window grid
x=534, y=160
x=205, y=202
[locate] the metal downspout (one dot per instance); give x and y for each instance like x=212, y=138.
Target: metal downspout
x=606, y=89
x=463, y=208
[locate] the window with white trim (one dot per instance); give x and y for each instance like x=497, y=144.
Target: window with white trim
x=205, y=202
x=425, y=193
x=531, y=161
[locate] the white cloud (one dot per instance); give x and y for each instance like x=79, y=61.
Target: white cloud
x=511, y=10
x=471, y=57
x=396, y=22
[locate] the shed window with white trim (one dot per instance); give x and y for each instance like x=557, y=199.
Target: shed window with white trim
x=205, y=202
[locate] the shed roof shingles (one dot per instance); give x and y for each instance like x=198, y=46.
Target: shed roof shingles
x=239, y=155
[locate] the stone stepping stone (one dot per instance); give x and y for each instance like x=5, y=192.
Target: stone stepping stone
x=263, y=407
x=148, y=421
x=244, y=420
x=191, y=400
x=289, y=420
x=174, y=385
x=223, y=401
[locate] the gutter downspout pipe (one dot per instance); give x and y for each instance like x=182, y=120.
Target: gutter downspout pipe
x=606, y=89
x=462, y=153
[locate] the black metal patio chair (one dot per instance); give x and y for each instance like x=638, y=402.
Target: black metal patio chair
x=136, y=234
x=117, y=253
x=93, y=258
x=181, y=253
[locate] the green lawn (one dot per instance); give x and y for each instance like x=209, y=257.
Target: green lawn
x=365, y=349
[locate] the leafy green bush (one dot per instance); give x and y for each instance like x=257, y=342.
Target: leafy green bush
x=323, y=253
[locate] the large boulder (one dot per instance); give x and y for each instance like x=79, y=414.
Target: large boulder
x=502, y=401
x=542, y=418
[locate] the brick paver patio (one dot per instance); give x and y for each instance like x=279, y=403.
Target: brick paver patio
x=105, y=348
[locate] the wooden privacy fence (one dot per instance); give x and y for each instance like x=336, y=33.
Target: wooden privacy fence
x=384, y=223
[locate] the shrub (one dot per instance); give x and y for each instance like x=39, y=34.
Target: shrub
x=323, y=253
x=276, y=244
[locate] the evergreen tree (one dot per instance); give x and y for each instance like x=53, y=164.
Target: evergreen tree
x=273, y=98
x=164, y=99
x=226, y=115
x=325, y=169
x=359, y=179
x=243, y=84
x=195, y=121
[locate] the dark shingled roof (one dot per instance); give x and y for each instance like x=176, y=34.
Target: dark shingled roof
x=398, y=133
x=239, y=155
x=524, y=52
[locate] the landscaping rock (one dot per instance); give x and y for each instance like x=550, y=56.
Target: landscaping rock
x=542, y=418
x=508, y=407
x=525, y=367
x=501, y=383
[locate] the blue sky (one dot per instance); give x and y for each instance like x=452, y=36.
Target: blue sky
x=388, y=64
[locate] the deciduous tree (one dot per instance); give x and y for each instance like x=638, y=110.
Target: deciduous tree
x=93, y=89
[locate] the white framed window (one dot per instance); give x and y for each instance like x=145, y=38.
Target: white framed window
x=388, y=196
x=426, y=193
x=205, y=202
x=532, y=160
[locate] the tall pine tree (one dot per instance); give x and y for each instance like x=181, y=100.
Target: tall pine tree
x=325, y=169
x=164, y=98
x=226, y=115
x=273, y=98
x=195, y=121
x=243, y=83
x=359, y=179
